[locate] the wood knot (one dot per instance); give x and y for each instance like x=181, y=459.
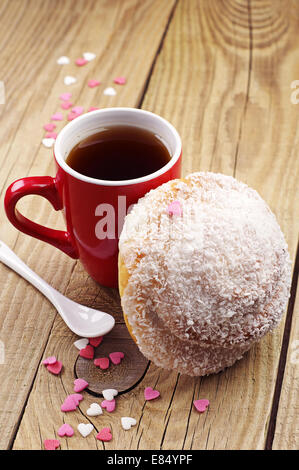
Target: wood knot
x=124, y=376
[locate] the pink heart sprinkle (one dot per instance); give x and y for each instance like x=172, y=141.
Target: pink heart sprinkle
x=96, y=341
x=104, y=435
x=50, y=126
x=102, y=362
x=66, y=105
x=71, y=402
x=175, y=208
x=120, y=80
x=50, y=360
x=116, y=357
x=55, y=368
x=150, y=394
x=92, y=108
x=87, y=352
x=51, y=444
x=65, y=96
x=65, y=430
x=109, y=405
x=201, y=405
x=78, y=110
x=93, y=83
x=79, y=385
x=72, y=116
x=51, y=135
x=57, y=117
x=81, y=61
x=77, y=397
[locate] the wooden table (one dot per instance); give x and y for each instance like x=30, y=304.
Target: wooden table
x=221, y=72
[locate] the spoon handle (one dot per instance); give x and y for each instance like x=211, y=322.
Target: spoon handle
x=8, y=257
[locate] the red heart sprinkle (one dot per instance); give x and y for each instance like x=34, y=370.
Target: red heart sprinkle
x=120, y=80
x=55, y=368
x=116, y=357
x=92, y=108
x=104, y=435
x=102, y=362
x=96, y=341
x=87, y=352
x=150, y=394
x=51, y=444
x=65, y=430
x=49, y=360
x=201, y=405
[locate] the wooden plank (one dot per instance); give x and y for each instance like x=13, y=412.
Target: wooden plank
x=232, y=107
x=286, y=434
x=121, y=377
x=33, y=34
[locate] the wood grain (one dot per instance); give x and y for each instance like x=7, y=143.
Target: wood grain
x=235, y=116
x=286, y=426
x=233, y=109
x=222, y=76
x=33, y=34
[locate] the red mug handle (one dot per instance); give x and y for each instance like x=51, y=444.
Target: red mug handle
x=42, y=186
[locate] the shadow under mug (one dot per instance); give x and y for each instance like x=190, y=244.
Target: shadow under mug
x=94, y=209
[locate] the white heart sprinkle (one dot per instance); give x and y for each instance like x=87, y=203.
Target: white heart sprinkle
x=109, y=91
x=109, y=393
x=48, y=142
x=94, y=410
x=89, y=56
x=69, y=80
x=81, y=343
x=85, y=429
x=63, y=60
x=127, y=422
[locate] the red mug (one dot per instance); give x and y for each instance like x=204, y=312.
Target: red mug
x=94, y=209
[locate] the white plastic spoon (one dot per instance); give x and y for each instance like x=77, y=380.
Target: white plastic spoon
x=83, y=321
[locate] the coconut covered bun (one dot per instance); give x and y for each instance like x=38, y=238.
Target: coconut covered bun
x=199, y=287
